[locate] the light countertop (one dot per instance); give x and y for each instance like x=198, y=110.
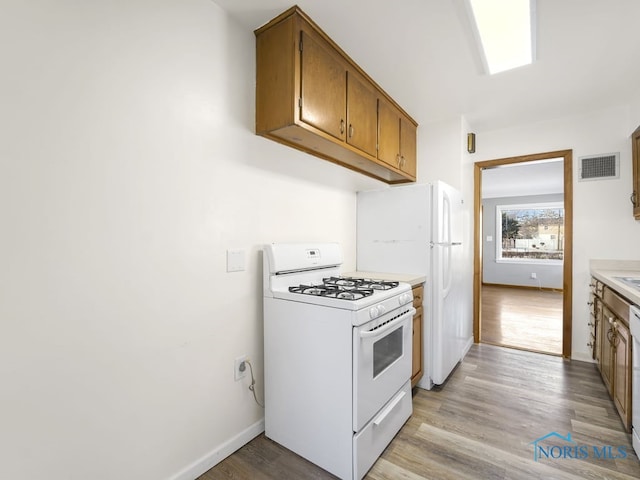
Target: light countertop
x=607, y=270
x=412, y=279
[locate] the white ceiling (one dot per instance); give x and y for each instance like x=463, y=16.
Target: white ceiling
x=519, y=180
x=423, y=54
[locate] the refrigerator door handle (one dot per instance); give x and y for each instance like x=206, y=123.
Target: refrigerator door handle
x=446, y=273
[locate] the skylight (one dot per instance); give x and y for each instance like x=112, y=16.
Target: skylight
x=505, y=28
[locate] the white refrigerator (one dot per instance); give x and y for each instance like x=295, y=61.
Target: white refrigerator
x=418, y=229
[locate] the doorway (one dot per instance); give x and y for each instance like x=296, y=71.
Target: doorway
x=531, y=243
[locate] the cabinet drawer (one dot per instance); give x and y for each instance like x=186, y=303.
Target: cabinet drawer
x=616, y=304
x=418, y=294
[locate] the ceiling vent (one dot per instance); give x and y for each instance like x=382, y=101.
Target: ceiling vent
x=600, y=167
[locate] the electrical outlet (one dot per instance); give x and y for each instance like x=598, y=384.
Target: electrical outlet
x=534, y=276
x=240, y=367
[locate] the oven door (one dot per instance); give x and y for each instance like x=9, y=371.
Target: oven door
x=381, y=362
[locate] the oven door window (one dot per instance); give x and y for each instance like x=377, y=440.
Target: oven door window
x=386, y=351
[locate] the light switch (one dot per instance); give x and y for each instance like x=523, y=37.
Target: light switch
x=489, y=238
x=235, y=260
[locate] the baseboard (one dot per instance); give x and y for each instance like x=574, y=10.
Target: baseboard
x=582, y=357
x=524, y=287
x=221, y=452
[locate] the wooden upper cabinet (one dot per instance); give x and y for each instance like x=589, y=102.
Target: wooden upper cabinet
x=311, y=96
x=397, y=137
x=362, y=114
x=388, y=133
x=635, y=195
x=323, y=85
x=408, y=149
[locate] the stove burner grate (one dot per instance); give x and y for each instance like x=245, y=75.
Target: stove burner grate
x=360, y=283
x=333, y=291
x=344, y=288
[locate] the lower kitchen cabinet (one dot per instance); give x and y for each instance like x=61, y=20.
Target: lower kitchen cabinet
x=607, y=349
x=613, y=346
x=622, y=364
x=418, y=318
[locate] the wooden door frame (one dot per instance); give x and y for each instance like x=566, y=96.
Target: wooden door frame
x=567, y=271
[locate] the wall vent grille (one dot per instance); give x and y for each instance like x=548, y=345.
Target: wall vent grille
x=600, y=167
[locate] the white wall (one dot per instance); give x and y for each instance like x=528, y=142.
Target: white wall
x=603, y=223
x=128, y=166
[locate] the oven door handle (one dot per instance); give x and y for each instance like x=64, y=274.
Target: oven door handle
x=386, y=327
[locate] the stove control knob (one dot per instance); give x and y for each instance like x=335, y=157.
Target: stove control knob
x=373, y=312
x=381, y=309
x=403, y=298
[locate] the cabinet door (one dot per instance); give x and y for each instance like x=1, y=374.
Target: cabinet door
x=388, y=133
x=635, y=196
x=408, y=151
x=622, y=374
x=323, y=86
x=362, y=114
x=606, y=356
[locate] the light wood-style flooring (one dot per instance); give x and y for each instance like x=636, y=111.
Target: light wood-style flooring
x=522, y=318
x=480, y=425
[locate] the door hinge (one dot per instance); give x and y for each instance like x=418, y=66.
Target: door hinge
x=300, y=102
x=300, y=45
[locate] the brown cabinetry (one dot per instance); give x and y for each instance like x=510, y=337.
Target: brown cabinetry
x=635, y=195
x=416, y=372
x=323, y=86
x=607, y=349
x=362, y=114
x=613, y=348
x=397, y=139
x=311, y=96
x=622, y=373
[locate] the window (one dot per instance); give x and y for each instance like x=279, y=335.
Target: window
x=530, y=233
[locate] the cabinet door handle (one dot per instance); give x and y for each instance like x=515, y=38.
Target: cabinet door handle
x=633, y=199
x=341, y=126
x=350, y=130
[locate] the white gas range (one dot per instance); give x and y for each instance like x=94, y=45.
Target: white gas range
x=337, y=357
